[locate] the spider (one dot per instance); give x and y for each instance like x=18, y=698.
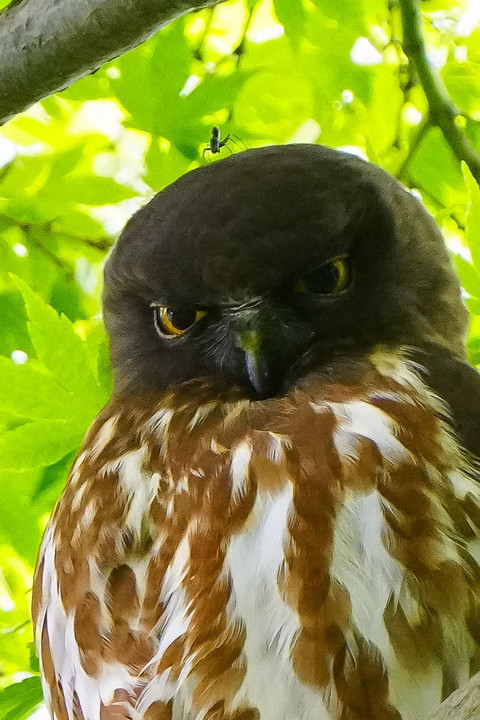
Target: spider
x=215, y=144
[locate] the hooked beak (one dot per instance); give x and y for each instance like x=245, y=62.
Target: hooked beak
x=259, y=373
x=266, y=348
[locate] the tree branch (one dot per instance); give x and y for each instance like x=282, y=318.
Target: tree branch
x=102, y=244
x=463, y=704
x=61, y=264
x=422, y=130
x=443, y=112
x=45, y=45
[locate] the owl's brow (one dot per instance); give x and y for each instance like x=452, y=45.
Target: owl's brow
x=250, y=304
x=169, y=303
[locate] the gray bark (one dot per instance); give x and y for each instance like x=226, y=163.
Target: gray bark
x=463, y=704
x=45, y=45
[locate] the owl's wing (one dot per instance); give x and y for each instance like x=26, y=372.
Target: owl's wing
x=130, y=560
x=97, y=585
x=458, y=384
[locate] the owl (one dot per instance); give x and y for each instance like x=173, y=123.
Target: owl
x=277, y=515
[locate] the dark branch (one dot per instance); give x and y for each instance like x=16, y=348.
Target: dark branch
x=442, y=110
x=45, y=45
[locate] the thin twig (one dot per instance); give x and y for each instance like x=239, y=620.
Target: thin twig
x=443, y=111
x=403, y=74
x=59, y=262
x=239, y=51
x=435, y=201
x=102, y=244
x=422, y=130
x=198, y=52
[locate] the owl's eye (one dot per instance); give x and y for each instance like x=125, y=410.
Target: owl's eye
x=172, y=322
x=331, y=278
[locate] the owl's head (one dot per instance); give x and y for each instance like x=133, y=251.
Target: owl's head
x=242, y=269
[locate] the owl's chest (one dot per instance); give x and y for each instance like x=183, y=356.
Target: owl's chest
x=295, y=629
x=273, y=576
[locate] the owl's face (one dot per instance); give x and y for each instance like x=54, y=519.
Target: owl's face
x=256, y=269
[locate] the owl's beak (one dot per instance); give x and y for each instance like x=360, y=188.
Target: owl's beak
x=269, y=342
x=257, y=368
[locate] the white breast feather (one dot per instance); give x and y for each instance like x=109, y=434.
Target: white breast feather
x=253, y=562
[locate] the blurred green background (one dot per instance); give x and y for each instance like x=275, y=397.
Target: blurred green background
x=74, y=167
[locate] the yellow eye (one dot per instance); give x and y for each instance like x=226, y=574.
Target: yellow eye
x=172, y=322
x=331, y=278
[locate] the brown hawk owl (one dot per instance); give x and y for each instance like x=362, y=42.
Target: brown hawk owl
x=276, y=517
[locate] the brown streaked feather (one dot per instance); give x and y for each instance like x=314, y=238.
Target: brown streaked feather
x=362, y=683
x=119, y=708
x=159, y=711
x=142, y=561
x=87, y=633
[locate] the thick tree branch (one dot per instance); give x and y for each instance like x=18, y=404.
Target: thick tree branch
x=442, y=110
x=45, y=45
x=464, y=704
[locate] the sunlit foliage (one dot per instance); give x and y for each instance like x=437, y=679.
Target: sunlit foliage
x=74, y=167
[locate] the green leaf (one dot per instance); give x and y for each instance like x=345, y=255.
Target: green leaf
x=473, y=349
x=15, y=624
x=13, y=332
x=95, y=190
x=469, y=277
x=291, y=14
x=21, y=510
x=91, y=87
x=26, y=392
x=19, y=700
x=64, y=355
x=462, y=81
x=472, y=234
x=27, y=175
x=215, y=93
x=36, y=445
x=384, y=109
x=98, y=349
x=163, y=166
x=55, y=340
x=65, y=162
x=352, y=17
x=274, y=106
x=164, y=66
x=76, y=222
x=473, y=305
x=55, y=475
x=434, y=168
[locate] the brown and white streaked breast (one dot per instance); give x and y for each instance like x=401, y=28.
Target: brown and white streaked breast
x=313, y=556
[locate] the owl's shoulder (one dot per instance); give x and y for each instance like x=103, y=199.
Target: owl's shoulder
x=458, y=384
